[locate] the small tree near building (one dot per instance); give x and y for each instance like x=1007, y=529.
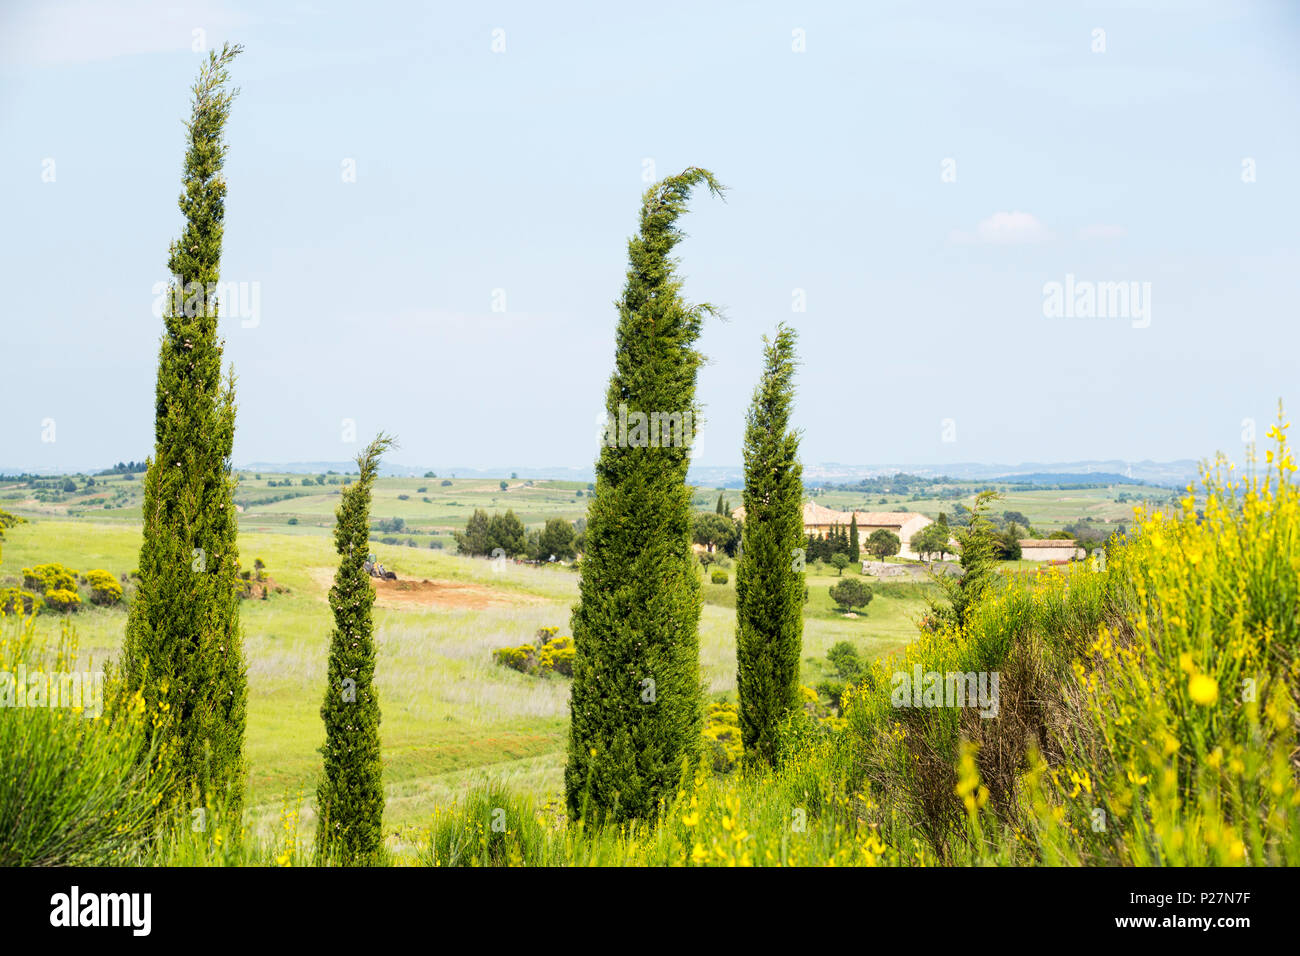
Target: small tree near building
x=850, y=593
x=883, y=543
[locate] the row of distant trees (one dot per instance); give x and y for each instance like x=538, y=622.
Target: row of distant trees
x=505, y=535
x=841, y=546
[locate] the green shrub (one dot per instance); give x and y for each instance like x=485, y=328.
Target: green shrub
x=850, y=593
x=491, y=826
x=76, y=790
x=722, y=736
x=848, y=664
x=718, y=576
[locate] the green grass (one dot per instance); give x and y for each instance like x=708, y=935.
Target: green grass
x=451, y=717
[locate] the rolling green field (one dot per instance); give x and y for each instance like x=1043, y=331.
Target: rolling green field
x=436, y=506
x=451, y=717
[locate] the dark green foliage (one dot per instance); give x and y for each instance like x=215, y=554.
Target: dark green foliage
x=483, y=535
x=883, y=543
x=183, y=646
x=637, y=706
x=850, y=593
x=557, y=539
x=847, y=661
x=855, y=549
x=933, y=539
x=715, y=531
x=825, y=547
x=769, y=577
x=1006, y=546
x=350, y=797
x=476, y=538
x=978, y=541
x=506, y=532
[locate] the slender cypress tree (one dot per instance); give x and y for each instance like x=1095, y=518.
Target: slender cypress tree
x=769, y=579
x=350, y=798
x=183, y=648
x=637, y=705
x=855, y=546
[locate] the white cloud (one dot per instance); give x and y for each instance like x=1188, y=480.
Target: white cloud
x=1005, y=228
x=84, y=31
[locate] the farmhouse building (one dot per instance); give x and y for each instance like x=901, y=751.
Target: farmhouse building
x=822, y=521
x=1048, y=549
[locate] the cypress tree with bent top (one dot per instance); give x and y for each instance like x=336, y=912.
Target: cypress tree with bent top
x=637, y=705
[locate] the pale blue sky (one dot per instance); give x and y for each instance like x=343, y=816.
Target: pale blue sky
x=522, y=170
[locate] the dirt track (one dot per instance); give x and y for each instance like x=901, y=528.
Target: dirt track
x=439, y=593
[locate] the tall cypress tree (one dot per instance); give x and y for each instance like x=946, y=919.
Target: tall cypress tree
x=855, y=546
x=183, y=648
x=769, y=579
x=637, y=705
x=350, y=798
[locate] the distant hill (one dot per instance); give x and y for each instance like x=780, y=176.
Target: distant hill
x=1173, y=474
x=1069, y=477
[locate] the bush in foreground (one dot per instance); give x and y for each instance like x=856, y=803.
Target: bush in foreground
x=76, y=789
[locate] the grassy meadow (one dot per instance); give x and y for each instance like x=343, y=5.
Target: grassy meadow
x=1156, y=693
x=452, y=718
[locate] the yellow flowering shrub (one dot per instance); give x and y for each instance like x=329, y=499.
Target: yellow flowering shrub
x=1157, y=693
x=551, y=655
x=62, y=600
x=104, y=588
x=722, y=736
x=49, y=577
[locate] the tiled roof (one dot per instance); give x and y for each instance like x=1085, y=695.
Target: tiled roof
x=815, y=514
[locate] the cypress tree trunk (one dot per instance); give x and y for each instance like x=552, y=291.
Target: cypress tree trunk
x=350, y=798
x=183, y=649
x=769, y=579
x=637, y=705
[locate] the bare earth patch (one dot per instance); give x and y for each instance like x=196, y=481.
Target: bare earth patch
x=437, y=593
